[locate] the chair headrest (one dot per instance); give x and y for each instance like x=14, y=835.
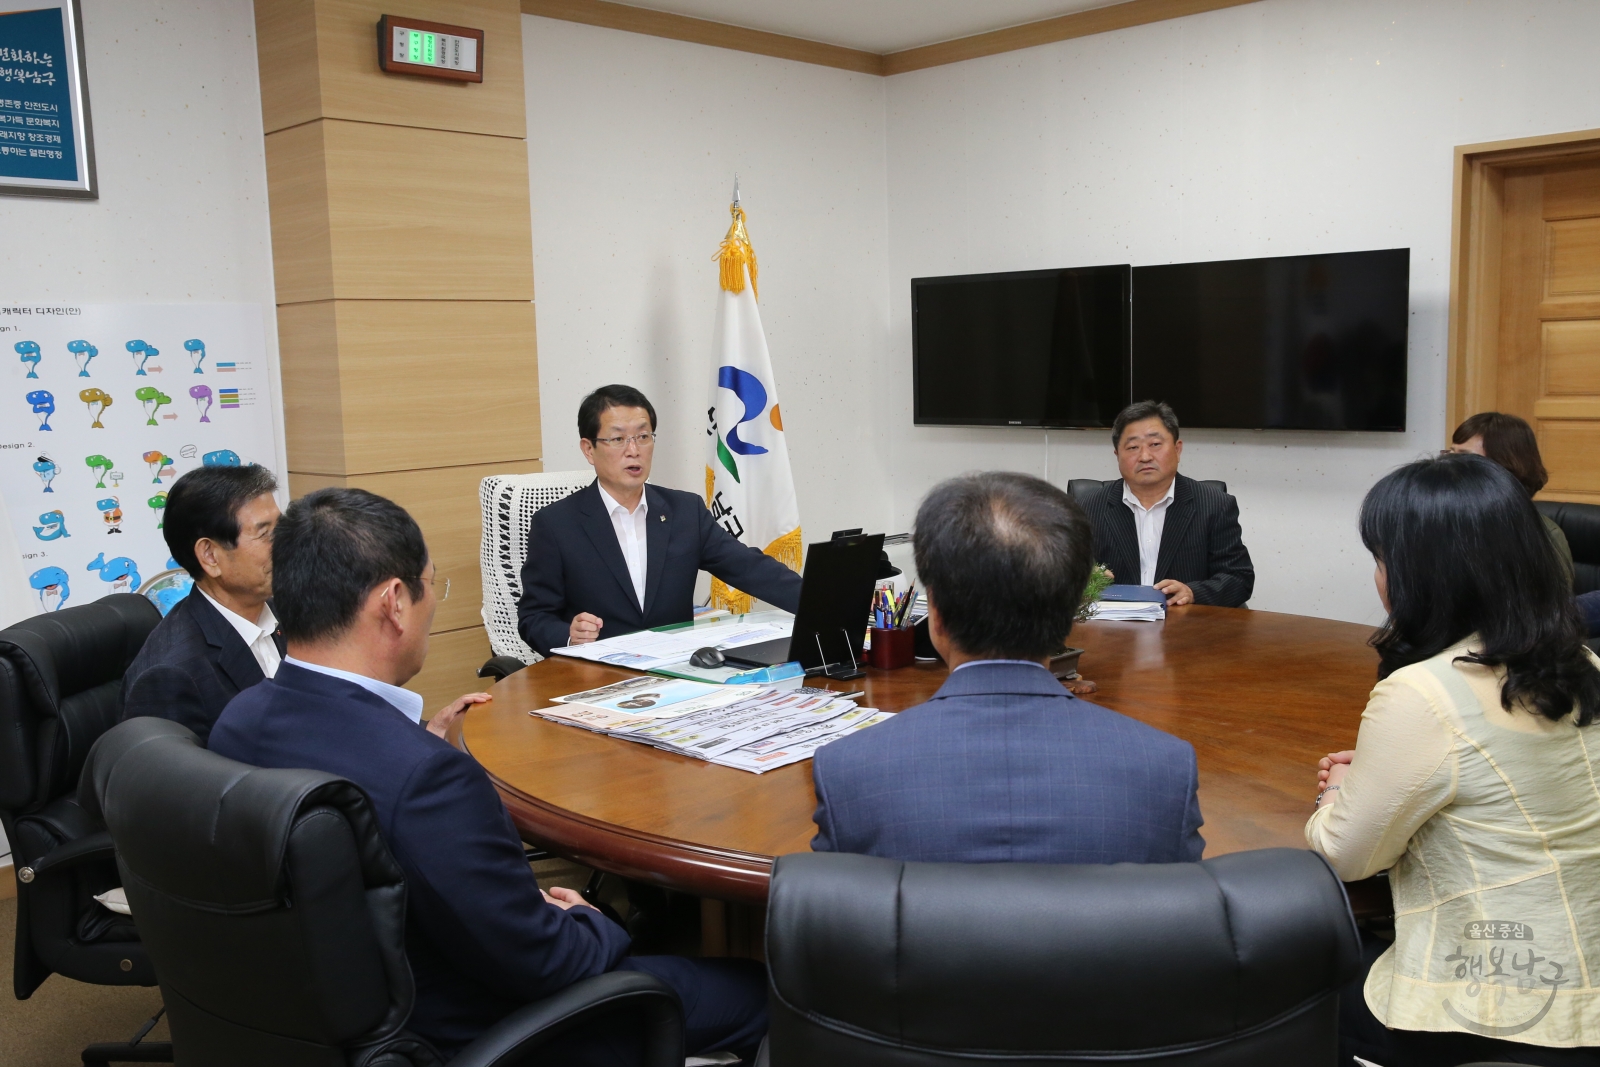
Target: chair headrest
x=208, y=829
x=987, y=957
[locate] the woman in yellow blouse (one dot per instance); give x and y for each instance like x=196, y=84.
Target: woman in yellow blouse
x=1475, y=781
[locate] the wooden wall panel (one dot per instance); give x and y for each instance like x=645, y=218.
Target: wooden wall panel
x=319, y=59
x=297, y=194
x=1569, y=449
x=444, y=501
x=313, y=411
x=1572, y=358
x=452, y=667
x=426, y=215
x=1574, y=250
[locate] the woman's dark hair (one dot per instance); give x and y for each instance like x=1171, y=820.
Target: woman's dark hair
x=1510, y=442
x=609, y=396
x=1465, y=553
x=330, y=549
x=205, y=503
x=1005, y=557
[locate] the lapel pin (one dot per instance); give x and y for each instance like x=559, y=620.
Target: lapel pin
x=663, y=518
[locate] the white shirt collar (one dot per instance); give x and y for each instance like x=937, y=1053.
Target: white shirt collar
x=612, y=505
x=1133, y=502
x=248, y=630
x=405, y=701
x=997, y=662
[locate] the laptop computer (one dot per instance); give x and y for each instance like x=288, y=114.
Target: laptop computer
x=835, y=599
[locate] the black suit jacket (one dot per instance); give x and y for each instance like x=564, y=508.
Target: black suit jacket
x=575, y=565
x=191, y=665
x=1201, y=544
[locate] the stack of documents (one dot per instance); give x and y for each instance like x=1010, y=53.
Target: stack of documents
x=1131, y=603
x=745, y=727
x=648, y=649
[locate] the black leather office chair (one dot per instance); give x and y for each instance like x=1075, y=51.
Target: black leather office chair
x=1236, y=961
x=275, y=916
x=60, y=689
x=1083, y=488
x=1581, y=524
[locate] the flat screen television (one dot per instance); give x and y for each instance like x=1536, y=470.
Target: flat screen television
x=1023, y=348
x=1288, y=343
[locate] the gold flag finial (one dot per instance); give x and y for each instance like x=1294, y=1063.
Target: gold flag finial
x=736, y=253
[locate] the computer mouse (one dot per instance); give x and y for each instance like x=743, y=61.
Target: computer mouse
x=707, y=658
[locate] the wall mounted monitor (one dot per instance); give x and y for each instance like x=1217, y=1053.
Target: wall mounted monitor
x=1024, y=348
x=1290, y=343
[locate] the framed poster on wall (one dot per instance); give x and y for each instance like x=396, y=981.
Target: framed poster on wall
x=46, y=147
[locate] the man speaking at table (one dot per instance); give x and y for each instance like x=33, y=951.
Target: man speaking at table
x=620, y=555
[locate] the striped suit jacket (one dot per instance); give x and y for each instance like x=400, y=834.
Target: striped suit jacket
x=1201, y=543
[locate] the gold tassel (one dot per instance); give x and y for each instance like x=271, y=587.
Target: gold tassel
x=736, y=254
x=786, y=549
x=724, y=595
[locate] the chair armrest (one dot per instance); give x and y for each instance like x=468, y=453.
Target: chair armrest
x=499, y=667
x=90, y=846
x=515, y=1040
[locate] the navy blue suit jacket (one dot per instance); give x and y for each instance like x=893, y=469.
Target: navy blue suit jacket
x=191, y=665
x=575, y=565
x=1004, y=765
x=481, y=939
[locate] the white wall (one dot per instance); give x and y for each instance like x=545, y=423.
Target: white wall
x=182, y=216
x=1277, y=128
x=633, y=144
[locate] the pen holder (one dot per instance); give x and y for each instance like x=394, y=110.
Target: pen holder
x=891, y=648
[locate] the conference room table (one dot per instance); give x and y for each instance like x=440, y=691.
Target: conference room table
x=1261, y=696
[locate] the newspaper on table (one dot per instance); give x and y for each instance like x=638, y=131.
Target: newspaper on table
x=647, y=649
x=636, y=701
x=800, y=743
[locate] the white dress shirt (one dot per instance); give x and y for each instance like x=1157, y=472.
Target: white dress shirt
x=257, y=635
x=630, y=537
x=405, y=701
x=1148, y=523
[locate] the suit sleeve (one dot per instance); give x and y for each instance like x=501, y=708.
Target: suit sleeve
x=167, y=692
x=457, y=844
x=826, y=839
x=1191, y=846
x=747, y=569
x=1589, y=608
x=1233, y=576
x=542, y=616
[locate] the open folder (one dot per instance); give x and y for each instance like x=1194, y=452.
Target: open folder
x=1131, y=603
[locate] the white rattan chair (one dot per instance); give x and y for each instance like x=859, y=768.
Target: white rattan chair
x=509, y=501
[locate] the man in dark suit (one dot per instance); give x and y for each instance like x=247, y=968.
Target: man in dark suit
x=222, y=637
x=1156, y=527
x=356, y=593
x=1003, y=764
x=622, y=555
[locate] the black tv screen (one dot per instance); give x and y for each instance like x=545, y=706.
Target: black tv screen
x=1024, y=348
x=1289, y=343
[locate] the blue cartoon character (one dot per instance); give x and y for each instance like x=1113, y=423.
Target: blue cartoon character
x=51, y=585
x=122, y=573
x=141, y=352
x=28, y=352
x=197, y=351
x=46, y=469
x=55, y=526
x=152, y=399
x=44, y=405
x=96, y=400
x=222, y=457
x=82, y=353
x=110, y=513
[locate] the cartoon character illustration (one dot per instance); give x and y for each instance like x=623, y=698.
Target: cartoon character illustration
x=46, y=469
x=51, y=585
x=55, y=526
x=90, y=398
x=158, y=504
x=160, y=465
x=141, y=352
x=82, y=353
x=28, y=352
x=202, y=400
x=152, y=399
x=197, y=351
x=115, y=478
x=110, y=513
x=222, y=457
x=121, y=572
x=44, y=405
x=101, y=466
x=188, y=451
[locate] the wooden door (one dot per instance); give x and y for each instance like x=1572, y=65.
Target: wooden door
x=1548, y=365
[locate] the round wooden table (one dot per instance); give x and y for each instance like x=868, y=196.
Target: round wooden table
x=1261, y=696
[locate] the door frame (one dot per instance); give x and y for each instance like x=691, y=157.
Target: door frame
x=1476, y=209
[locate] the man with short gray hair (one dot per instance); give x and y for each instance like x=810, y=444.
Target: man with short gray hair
x=1003, y=764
